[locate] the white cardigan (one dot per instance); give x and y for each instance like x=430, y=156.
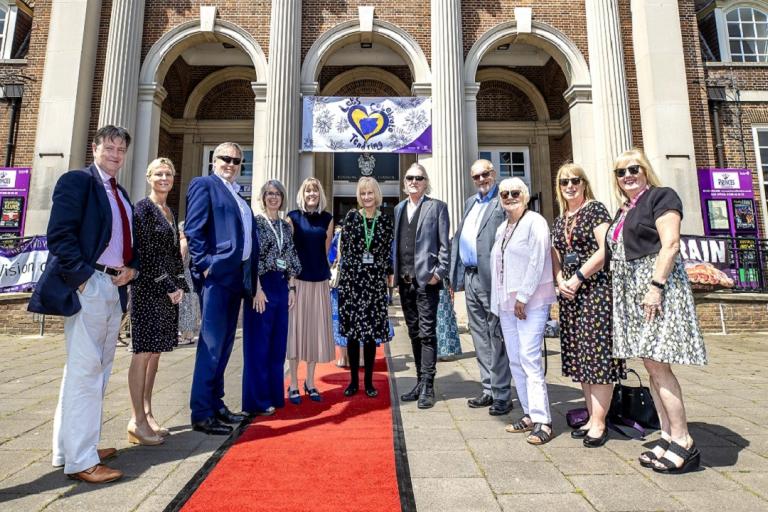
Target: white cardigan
x=527, y=265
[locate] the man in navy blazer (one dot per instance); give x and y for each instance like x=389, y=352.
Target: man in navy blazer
x=91, y=260
x=420, y=261
x=224, y=251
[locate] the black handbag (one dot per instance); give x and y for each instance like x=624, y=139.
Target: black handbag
x=633, y=406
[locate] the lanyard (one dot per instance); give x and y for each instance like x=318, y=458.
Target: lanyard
x=624, y=211
x=279, y=239
x=368, y=233
x=570, y=225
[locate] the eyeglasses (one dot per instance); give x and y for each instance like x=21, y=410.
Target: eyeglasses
x=573, y=181
x=417, y=178
x=510, y=193
x=483, y=175
x=229, y=159
x=631, y=169
x=274, y=194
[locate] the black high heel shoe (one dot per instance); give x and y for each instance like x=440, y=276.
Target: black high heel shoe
x=595, y=442
x=313, y=393
x=351, y=390
x=294, y=396
x=579, y=433
x=691, y=460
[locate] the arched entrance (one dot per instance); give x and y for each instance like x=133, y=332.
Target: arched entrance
x=218, y=81
x=529, y=106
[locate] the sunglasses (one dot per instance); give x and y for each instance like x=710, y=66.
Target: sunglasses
x=573, y=181
x=483, y=175
x=229, y=159
x=510, y=193
x=417, y=178
x=631, y=169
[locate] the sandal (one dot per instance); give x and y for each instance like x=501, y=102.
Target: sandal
x=691, y=460
x=520, y=426
x=538, y=435
x=647, y=462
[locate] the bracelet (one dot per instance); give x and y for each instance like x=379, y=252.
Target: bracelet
x=658, y=285
x=580, y=276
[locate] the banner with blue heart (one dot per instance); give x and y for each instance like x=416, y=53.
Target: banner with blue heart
x=371, y=125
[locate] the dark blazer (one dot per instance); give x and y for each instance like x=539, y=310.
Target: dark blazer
x=486, y=237
x=432, y=244
x=640, y=235
x=79, y=230
x=214, y=231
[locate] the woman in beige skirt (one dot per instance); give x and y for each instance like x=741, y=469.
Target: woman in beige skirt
x=310, y=333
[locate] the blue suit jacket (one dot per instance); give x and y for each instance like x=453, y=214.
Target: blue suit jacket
x=78, y=233
x=214, y=231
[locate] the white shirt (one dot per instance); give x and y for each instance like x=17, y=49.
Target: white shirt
x=411, y=207
x=245, y=214
x=113, y=254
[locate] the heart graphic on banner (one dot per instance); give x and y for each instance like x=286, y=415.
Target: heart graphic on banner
x=367, y=125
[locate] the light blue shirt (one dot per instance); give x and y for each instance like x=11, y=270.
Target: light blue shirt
x=468, y=239
x=245, y=214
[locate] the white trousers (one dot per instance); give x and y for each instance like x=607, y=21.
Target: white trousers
x=523, y=339
x=91, y=338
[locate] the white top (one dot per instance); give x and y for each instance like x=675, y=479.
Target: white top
x=527, y=266
x=411, y=207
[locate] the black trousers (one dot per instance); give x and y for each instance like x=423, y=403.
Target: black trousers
x=420, y=311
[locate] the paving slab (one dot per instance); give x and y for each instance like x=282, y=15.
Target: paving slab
x=530, y=477
x=571, y=502
x=454, y=495
x=615, y=493
x=705, y=500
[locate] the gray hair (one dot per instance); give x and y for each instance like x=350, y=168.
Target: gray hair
x=227, y=145
x=516, y=184
x=265, y=188
x=417, y=165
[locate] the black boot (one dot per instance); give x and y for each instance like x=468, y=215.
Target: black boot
x=413, y=394
x=427, y=394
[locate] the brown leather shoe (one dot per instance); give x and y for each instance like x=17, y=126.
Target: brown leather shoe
x=98, y=474
x=106, y=453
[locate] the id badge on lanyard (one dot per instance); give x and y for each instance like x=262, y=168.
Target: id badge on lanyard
x=367, y=258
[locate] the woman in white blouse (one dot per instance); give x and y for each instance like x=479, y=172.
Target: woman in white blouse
x=522, y=290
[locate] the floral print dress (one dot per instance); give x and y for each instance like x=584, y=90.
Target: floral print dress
x=675, y=336
x=362, y=287
x=586, y=328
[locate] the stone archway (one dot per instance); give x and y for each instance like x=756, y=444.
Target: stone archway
x=151, y=92
x=367, y=73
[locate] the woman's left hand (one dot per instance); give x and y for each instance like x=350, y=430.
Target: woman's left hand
x=573, y=284
x=520, y=310
x=291, y=299
x=176, y=296
x=652, y=304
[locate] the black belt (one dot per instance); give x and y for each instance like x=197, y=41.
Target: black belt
x=470, y=270
x=107, y=270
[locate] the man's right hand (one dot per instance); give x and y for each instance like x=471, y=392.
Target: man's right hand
x=81, y=288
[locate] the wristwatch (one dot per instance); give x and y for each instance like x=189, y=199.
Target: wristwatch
x=580, y=276
x=658, y=285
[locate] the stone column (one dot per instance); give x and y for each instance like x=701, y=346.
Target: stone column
x=119, y=94
x=471, y=147
x=259, y=138
x=665, y=113
x=151, y=97
x=64, y=109
x=448, y=153
x=613, y=132
x=281, y=159
x=583, y=143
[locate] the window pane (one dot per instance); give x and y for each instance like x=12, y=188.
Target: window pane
x=762, y=140
x=761, y=29
x=505, y=170
x=748, y=30
x=518, y=157
x=735, y=47
x=764, y=156
x=734, y=30
x=485, y=154
x=505, y=157
x=746, y=14
x=761, y=16
x=518, y=170
x=733, y=15
x=750, y=58
x=749, y=46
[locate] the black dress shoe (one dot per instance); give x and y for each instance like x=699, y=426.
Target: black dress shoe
x=212, y=427
x=413, y=394
x=596, y=442
x=351, y=390
x=371, y=391
x=484, y=400
x=500, y=408
x=579, y=433
x=227, y=416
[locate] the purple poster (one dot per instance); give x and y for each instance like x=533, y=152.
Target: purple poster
x=727, y=201
x=14, y=191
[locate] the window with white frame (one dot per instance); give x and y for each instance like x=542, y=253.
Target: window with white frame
x=747, y=34
x=245, y=179
x=760, y=136
x=509, y=162
x=4, y=11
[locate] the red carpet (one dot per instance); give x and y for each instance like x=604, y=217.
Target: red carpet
x=335, y=455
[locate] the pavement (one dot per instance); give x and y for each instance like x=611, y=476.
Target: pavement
x=459, y=458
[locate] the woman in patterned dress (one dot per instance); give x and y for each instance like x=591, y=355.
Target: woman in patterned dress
x=586, y=308
x=265, y=322
x=653, y=309
x=155, y=297
x=366, y=244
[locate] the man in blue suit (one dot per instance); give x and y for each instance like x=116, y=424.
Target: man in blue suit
x=91, y=260
x=221, y=232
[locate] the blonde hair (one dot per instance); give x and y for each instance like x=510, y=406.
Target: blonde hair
x=576, y=171
x=159, y=162
x=368, y=182
x=307, y=183
x=638, y=155
x=516, y=184
x=418, y=166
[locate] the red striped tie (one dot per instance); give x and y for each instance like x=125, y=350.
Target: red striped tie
x=127, y=249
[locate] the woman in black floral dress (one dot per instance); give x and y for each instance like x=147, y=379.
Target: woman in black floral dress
x=366, y=243
x=586, y=337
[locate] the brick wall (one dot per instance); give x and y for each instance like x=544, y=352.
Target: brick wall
x=367, y=88
x=16, y=320
x=501, y=101
x=328, y=73
x=228, y=100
